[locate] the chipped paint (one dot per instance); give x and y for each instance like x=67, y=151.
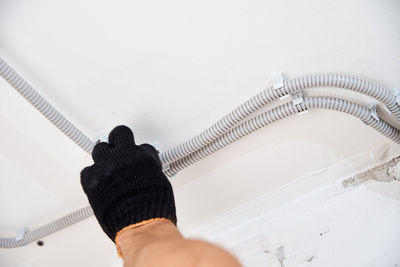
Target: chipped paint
x=387, y=172
x=326, y=224
x=318, y=230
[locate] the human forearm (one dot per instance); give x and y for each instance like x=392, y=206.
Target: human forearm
x=159, y=243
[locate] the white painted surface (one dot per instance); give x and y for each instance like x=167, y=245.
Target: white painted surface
x=329, y=227
x=332, y=225
x=169, y=69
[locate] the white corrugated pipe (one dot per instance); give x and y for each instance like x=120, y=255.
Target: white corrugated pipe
x=223, y=125
x=47, y=229
x=220, y=134
x=281, y=112
x=290, y=86
x=55, y=117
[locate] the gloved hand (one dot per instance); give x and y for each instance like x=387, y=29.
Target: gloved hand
x=126, y=186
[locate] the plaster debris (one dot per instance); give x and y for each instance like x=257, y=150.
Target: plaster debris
x=280, y=254
x=276, y=257
x=387, y=172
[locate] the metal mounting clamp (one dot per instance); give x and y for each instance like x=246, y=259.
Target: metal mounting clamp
x=303, y=112
x=396, y=93
x=165, y=167
x=297, y=98
x=373, y=111
x=101, y=138
x=155, y=144
x=21, y=234
x=277, y=78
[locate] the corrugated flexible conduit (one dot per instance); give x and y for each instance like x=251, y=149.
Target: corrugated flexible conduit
x=55, y=117
x=215, y=137
x=47, y=229
x=282, y=112
x=290, y=86
x=235, y=134
x=223, y=125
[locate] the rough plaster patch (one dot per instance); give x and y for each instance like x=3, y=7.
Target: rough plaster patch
x=280, y=254
x=387, y=172
x=276, y=257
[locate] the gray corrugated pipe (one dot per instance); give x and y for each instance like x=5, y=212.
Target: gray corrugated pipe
x=223, y=125
x=290, y=86
x=48, y=229
x=282, y=112
x=55, y=117
x=235, y=134
x=209, y=137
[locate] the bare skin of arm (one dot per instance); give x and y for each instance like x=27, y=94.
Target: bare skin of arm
x=160, y=244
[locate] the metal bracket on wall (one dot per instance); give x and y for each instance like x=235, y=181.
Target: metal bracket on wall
x=297, y=98
x=21, y=233
x=373, y=111
x=277, y=78
x=396, y=93
x=165, y=167
x=101, y=138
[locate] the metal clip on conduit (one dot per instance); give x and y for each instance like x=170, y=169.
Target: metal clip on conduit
x=21, y=234
x=277, y=78
x=396, y=93
x=297, y=99
x=373, y=111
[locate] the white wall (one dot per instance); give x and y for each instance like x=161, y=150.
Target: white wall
x=336, y=224
x=169, y=69
x=329, y=227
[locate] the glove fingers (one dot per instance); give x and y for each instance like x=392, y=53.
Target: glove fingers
x=152, y=151
x=121, y=135
x=100, y=151
x=149, y=148
x=88, y=182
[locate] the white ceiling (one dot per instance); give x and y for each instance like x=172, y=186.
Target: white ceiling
x=169, y=69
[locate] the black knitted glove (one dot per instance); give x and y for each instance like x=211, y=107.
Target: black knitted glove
x=126, y=185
